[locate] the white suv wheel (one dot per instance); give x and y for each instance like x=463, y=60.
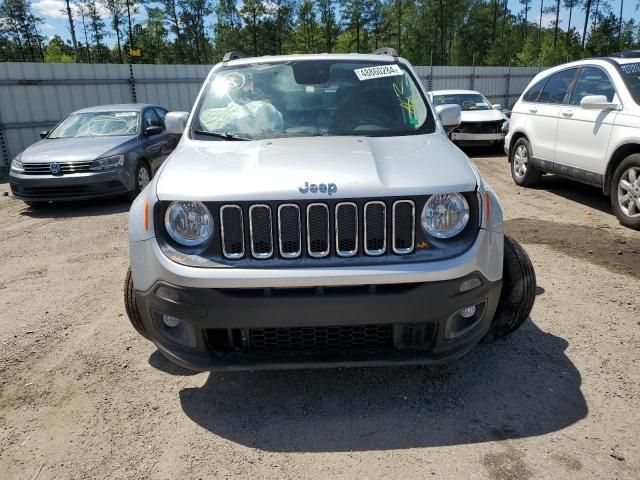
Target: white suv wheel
x=629, y=192
x=520, y=159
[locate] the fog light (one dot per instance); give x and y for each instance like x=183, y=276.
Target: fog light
x=171, y=321
x=468, y=312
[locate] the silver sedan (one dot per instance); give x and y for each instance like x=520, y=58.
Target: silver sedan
x=102, y=151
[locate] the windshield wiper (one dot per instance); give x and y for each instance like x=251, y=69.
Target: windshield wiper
x=224, y=136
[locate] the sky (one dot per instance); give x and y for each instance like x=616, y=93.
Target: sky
x=56, y=19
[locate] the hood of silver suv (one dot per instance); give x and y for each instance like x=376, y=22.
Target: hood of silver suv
x=288, y=168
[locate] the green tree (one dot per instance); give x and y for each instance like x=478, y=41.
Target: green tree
x=58, y=52
x=19, y=25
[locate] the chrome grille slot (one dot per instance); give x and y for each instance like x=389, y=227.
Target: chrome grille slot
x=261, y=231
x=375, y=228
x=232, y=231
x=346, y=229
x=289, y=230
x=404, y=226
x=65, y=168
x=318, y=230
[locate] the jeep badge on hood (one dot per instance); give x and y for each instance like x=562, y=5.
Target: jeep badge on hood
x=329, y=188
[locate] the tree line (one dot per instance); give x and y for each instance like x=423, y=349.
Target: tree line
x=427, y=32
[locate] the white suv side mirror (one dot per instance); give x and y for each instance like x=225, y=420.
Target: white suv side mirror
x=175, y=122
x=449, y=115
x=597, y=102
x=497, y=106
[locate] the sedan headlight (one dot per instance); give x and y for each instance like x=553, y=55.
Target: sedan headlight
x=107, y=163
x=16, y=165
x=445, y=215
x=189, y=223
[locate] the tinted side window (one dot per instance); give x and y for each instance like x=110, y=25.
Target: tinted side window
x=150, y=119
x=532, y=93
x=161, y=112
x=592, y=81
x=557, y=87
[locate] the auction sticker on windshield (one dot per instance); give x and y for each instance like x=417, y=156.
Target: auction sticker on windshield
x=378, y=72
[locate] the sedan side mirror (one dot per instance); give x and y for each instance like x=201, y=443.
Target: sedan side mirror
x=176, y=122
x=152, y=130
x=597, y=102
x=44, y=133
x=449, y=115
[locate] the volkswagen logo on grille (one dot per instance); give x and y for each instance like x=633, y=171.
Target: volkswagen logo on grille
x=55, y=168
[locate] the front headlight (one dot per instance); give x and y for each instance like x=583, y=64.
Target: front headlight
x=107, y=163
x=16, y=165
x=445, y=215
x=189, y=223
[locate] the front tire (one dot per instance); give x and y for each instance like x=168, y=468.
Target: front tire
x=522, y=170
x=142, y=177
x=625, y=192
x=131, y=306
x=518, y=291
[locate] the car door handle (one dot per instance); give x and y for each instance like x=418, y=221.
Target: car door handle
x=567, y=113
x=533, y=110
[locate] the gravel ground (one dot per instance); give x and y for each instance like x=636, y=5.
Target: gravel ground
x=83, y=396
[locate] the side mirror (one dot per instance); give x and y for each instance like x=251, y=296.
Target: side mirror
x=176, y=122
x=152, y=130
x=497, y=106
x=44, y=133
x=597, y=102
x=449, y=115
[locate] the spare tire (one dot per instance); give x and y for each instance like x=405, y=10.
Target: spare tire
x=130, y=305
x=518, y=291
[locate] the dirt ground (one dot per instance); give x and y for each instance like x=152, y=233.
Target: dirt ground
x=83, y=396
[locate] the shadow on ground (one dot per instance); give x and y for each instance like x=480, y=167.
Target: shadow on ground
x=87, y=208
x=599, y=245
x=587, y=195
x=521, y=387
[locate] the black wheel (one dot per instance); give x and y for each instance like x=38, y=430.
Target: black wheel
x=142, y=177
x=625, y=192
x=518, y=291
x=522, y=169
x=130, y=305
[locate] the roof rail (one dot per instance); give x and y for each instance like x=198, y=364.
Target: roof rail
x=386, y=51
x=233, y=56
x=626, y=54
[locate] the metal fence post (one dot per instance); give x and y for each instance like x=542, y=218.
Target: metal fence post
x=507, y=88
x=4, y=153
x=473, y=74
x=132, y=83
x=431, y=73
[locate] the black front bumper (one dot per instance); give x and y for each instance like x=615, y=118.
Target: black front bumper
x=252, y=329
x=70, y=187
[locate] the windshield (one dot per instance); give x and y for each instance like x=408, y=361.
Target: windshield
x=467, y=101
x=631, y=74
x=312, y=97
x=97, y=124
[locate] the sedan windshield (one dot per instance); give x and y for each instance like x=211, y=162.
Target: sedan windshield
x=97, y=124
x=467, y=101
x=631, y=74
x=311, y=97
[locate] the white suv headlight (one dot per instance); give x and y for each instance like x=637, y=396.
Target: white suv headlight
x=189, y=223
x=107, y=163
x=445, y=215
x=16, y=165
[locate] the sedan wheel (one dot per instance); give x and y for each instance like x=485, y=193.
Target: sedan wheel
x=144, y=177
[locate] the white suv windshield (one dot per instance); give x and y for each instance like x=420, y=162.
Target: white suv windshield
x=631, y=74
x=312, y=97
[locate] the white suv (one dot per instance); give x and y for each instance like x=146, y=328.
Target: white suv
x=582, y=120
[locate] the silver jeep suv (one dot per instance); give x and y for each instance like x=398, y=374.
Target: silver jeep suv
x=315, y=214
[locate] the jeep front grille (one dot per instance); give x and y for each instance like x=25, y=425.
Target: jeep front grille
x=318, y=230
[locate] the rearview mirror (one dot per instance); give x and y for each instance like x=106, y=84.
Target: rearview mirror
x=449, y=115
x=176, y=122
x=152, y=130
x=597, y=102
x=44, y=133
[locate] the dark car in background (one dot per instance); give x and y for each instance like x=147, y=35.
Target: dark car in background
x=102, y=151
